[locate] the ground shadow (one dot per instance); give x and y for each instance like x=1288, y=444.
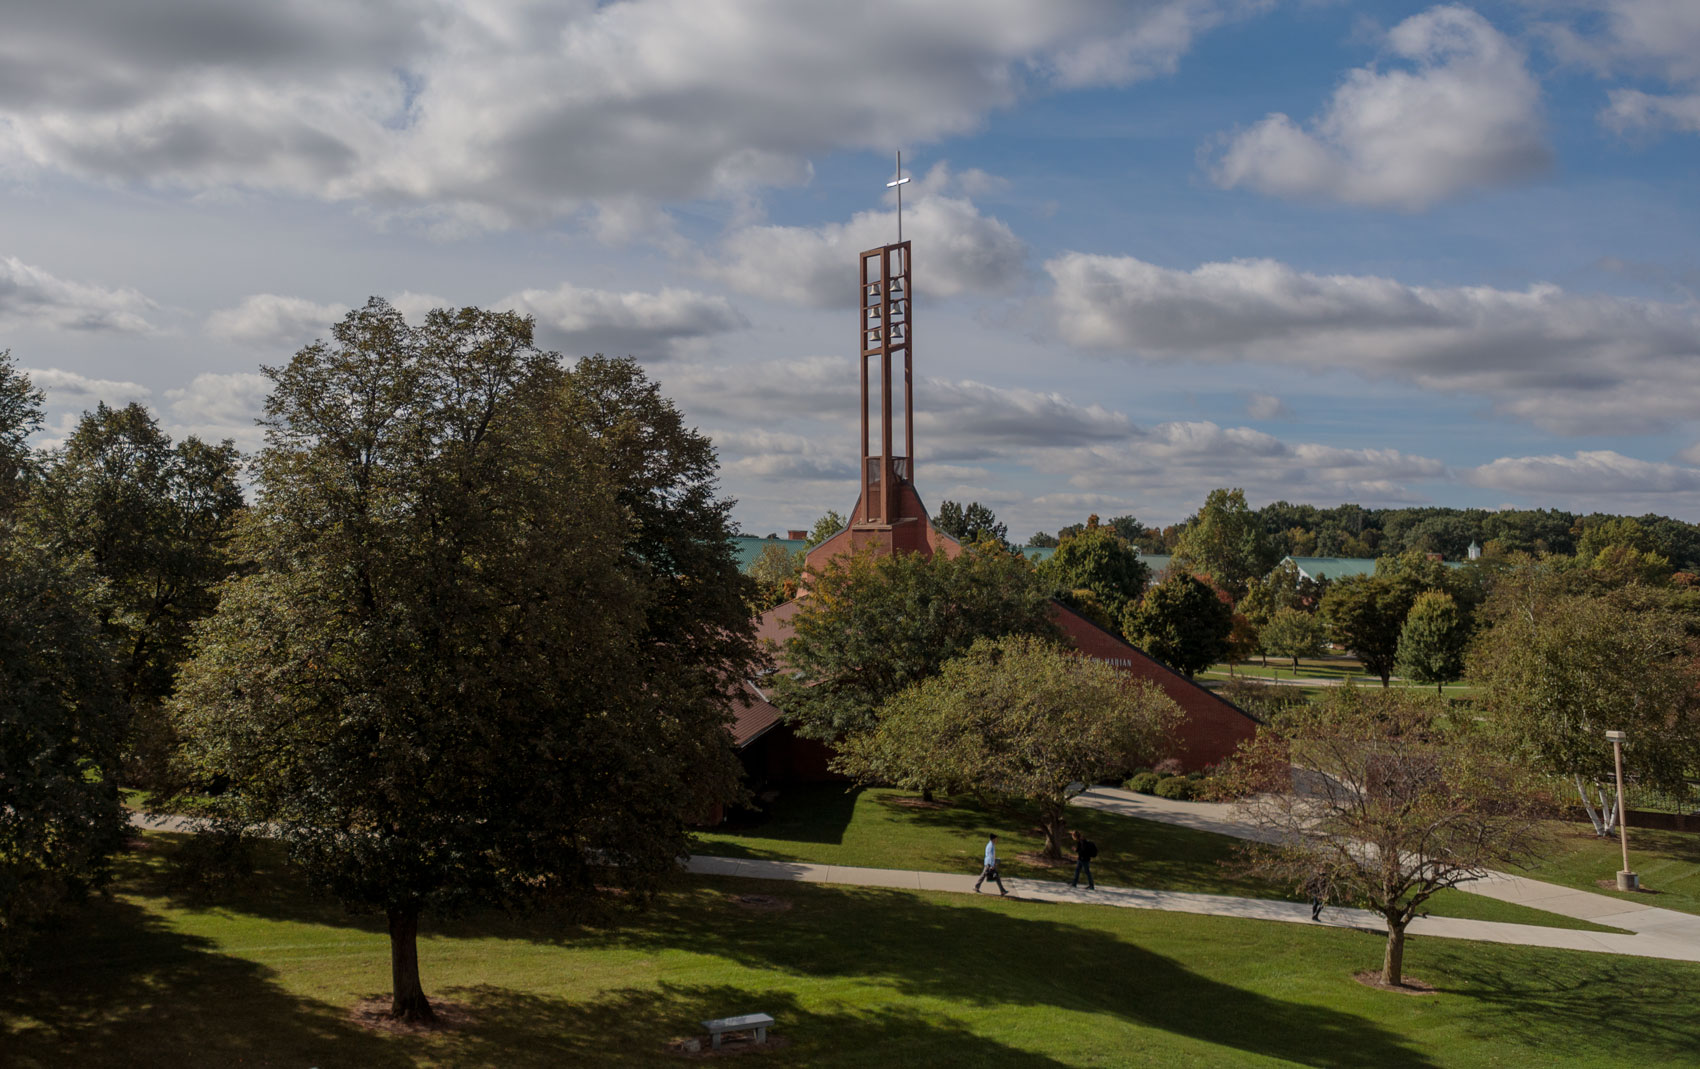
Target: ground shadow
x=804, y=812
x=990, y=957
x=1546, y=986
x=116, y=987
x=632, y=1026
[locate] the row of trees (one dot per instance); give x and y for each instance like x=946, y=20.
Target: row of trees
x=111, y=549
x=477, y=638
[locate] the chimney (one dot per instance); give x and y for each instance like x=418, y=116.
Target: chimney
x=797, y=536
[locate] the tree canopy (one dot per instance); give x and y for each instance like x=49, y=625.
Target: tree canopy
x=1182, y=623
x=1226, y=542
x=62, y=711
x=1432, y=640
x=875, y=625
x=970, y=525
x=1018, y=720
x=1101, y=561
x=1559, y=669
x=487, y=645
x=153, y=522
x=1292, y=633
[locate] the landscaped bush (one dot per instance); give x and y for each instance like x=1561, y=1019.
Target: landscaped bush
x=1168, y=766
x=1144, y=782
x=1178, y=788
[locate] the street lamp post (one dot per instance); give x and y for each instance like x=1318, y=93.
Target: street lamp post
x=1626, y=880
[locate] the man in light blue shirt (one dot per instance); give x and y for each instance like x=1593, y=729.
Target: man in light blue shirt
x=990, y=872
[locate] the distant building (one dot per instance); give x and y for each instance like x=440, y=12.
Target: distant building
x=1331, y=568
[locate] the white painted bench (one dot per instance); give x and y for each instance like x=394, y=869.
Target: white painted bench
x=749, y=1021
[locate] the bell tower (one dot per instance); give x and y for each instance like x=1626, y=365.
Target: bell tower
x=886, y=336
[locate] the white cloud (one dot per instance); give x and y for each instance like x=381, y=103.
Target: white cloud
x=497, y=113
x=962, y=251
x=641, y=324
x=1265, y=406
x=1593, y=472
x=1654, y=40
x=1465, y=116
x=1631, y=108
x=267, y=320
x=216, y=407
x=1572, y=363
x=32, y=296
x=62, y=387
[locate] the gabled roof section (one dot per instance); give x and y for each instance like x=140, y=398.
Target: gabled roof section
x=752, y=716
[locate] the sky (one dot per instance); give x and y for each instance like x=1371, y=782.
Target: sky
x=1388, y=253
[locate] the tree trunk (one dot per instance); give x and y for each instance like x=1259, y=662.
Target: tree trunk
x=1053, y=827
x=1603, y=820
x=1386, y=678
x=926, y=794
x=408, y=998
x=1393, y=964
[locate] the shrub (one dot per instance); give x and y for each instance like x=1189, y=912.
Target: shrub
x=1144, y=782
x=1168, y=766
x=1178, y=788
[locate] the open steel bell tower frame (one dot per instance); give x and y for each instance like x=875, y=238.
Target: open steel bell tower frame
x=887, y=311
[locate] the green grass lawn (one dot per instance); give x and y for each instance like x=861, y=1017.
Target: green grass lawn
x=855, y=977
x=1321, y=672
x=1668, y=863
x=890, y=830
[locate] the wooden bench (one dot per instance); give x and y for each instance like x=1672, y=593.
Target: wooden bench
x=758, y=1022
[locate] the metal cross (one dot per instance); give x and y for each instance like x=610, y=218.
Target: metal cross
x=898, y=185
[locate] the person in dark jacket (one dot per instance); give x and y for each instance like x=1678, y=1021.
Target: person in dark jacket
x=1084, y=851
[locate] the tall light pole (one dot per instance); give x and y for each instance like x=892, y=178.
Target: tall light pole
x=1626, y=880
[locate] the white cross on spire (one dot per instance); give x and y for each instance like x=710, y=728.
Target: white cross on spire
x=898, y=185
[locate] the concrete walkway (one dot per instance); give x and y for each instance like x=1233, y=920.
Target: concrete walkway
x=1212, y=905
x=1661, y=933
x=1677, y=934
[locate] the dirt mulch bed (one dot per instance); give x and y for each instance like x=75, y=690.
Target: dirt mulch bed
x=762, y=903
x=373, y=1014
x=1372, y=978
x=1040, y=861
x=918, y=803
x=732, y=1044
x=1611, y=885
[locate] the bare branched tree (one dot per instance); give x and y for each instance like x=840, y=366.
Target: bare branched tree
x=1384, y=799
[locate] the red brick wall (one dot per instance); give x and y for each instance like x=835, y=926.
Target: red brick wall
x=1212, y=728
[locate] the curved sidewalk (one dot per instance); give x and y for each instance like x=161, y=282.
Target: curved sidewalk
x=1213, y=905
x=1672, y=933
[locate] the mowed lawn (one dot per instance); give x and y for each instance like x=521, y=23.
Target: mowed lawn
x=878, y=828
x=855, y=977
x=1668, y=863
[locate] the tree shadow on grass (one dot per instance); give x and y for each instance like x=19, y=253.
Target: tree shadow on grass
x=988, y=957
x=632, y=1026
x=117, y=987
x=805, y=812
x=1632, y=1008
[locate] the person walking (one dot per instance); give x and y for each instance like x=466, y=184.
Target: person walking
x=990, y=871
x=1317, y=888
x=1084, y=851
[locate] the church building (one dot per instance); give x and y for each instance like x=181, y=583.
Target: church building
x=889, y=517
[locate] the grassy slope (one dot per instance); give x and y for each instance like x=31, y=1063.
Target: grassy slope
x=856, y=977
x=882, y=829
x=1667, y=861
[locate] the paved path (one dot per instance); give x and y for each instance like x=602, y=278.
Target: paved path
x=1677, y=932
x=1661, y=933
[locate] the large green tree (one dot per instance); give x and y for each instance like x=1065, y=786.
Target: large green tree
x=1365, y=614
x=975, y=523
x=1432, y=640
x=1182, y=623
x=61, y=709
x=1293, y=633
x=1558, y=669
x=872, y=626
x=486, y=649
x=1226, y=542
x=1019, y=720
x=1101, y=561
x=152, y=521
